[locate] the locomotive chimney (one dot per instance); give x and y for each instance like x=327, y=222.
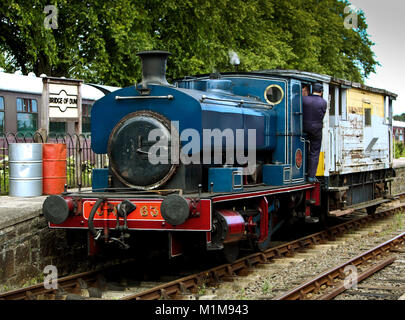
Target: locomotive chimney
x=153, y=67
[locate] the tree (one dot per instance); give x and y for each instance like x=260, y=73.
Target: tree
x=316, y=33
x=97, y=40
x=400, y=117
x=94, y=39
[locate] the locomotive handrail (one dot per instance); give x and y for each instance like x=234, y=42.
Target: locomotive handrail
x=237, y=101
x=168, y=97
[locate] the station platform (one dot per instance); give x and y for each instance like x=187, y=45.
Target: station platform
x=27, y=244
x=14, y=210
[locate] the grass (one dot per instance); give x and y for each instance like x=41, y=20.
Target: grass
x=395, y=225
x=33, y=281
x=241, y=295
x=398, y=223
x=202, y=290
x=266, y=286
x=4, y=288
x=4, y=181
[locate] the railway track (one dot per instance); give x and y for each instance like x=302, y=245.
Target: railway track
x=91, y=285
x=332, y=283
x=386, y=284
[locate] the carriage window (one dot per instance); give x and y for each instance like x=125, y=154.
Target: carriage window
x=86, y=114
x=27, y=115
x=367, y=117
x=274, y=94
x=1, y=114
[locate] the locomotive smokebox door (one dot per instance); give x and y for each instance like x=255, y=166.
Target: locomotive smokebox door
x=135, y=160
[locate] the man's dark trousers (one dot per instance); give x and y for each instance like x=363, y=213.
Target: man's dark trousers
x=314, y=108
x=315, y=140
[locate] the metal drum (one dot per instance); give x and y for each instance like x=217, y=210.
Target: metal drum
x=25, y=160
x=54, y=167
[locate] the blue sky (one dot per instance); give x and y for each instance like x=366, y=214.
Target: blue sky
x=386, y=27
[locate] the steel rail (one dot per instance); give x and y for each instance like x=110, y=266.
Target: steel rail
x=228, y=271
x=375, y=268
x=67, y=282
x=327, y=278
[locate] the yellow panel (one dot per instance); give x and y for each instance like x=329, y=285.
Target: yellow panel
x=320, y=171
x=356, y=98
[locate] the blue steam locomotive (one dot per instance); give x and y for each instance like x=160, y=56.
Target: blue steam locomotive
x=213, y=160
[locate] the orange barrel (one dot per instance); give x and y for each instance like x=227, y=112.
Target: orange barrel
x=54, y=167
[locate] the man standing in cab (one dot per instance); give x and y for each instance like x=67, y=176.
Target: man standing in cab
x=314, y=108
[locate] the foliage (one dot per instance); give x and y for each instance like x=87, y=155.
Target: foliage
x=266, y=286
x=396, y=224
x=4, y=171
x=399, y=149
x=97, y=40
x=4, y=180
x=400, y=117
x=86, y=169
x=33, y=281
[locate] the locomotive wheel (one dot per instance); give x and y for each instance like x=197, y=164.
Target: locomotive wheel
x=229, y=253
x=322, y=214
x=371, y=210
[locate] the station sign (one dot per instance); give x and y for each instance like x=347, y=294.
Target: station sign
x=63, y=101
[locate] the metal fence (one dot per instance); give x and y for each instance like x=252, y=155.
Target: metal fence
x=80, y=159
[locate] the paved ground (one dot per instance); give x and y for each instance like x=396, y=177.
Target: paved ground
x=14, y=209
x=17, y=209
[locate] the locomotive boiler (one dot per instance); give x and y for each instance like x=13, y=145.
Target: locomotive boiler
x=207, y=162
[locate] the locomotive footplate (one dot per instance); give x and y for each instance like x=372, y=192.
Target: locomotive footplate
x=261, y=191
